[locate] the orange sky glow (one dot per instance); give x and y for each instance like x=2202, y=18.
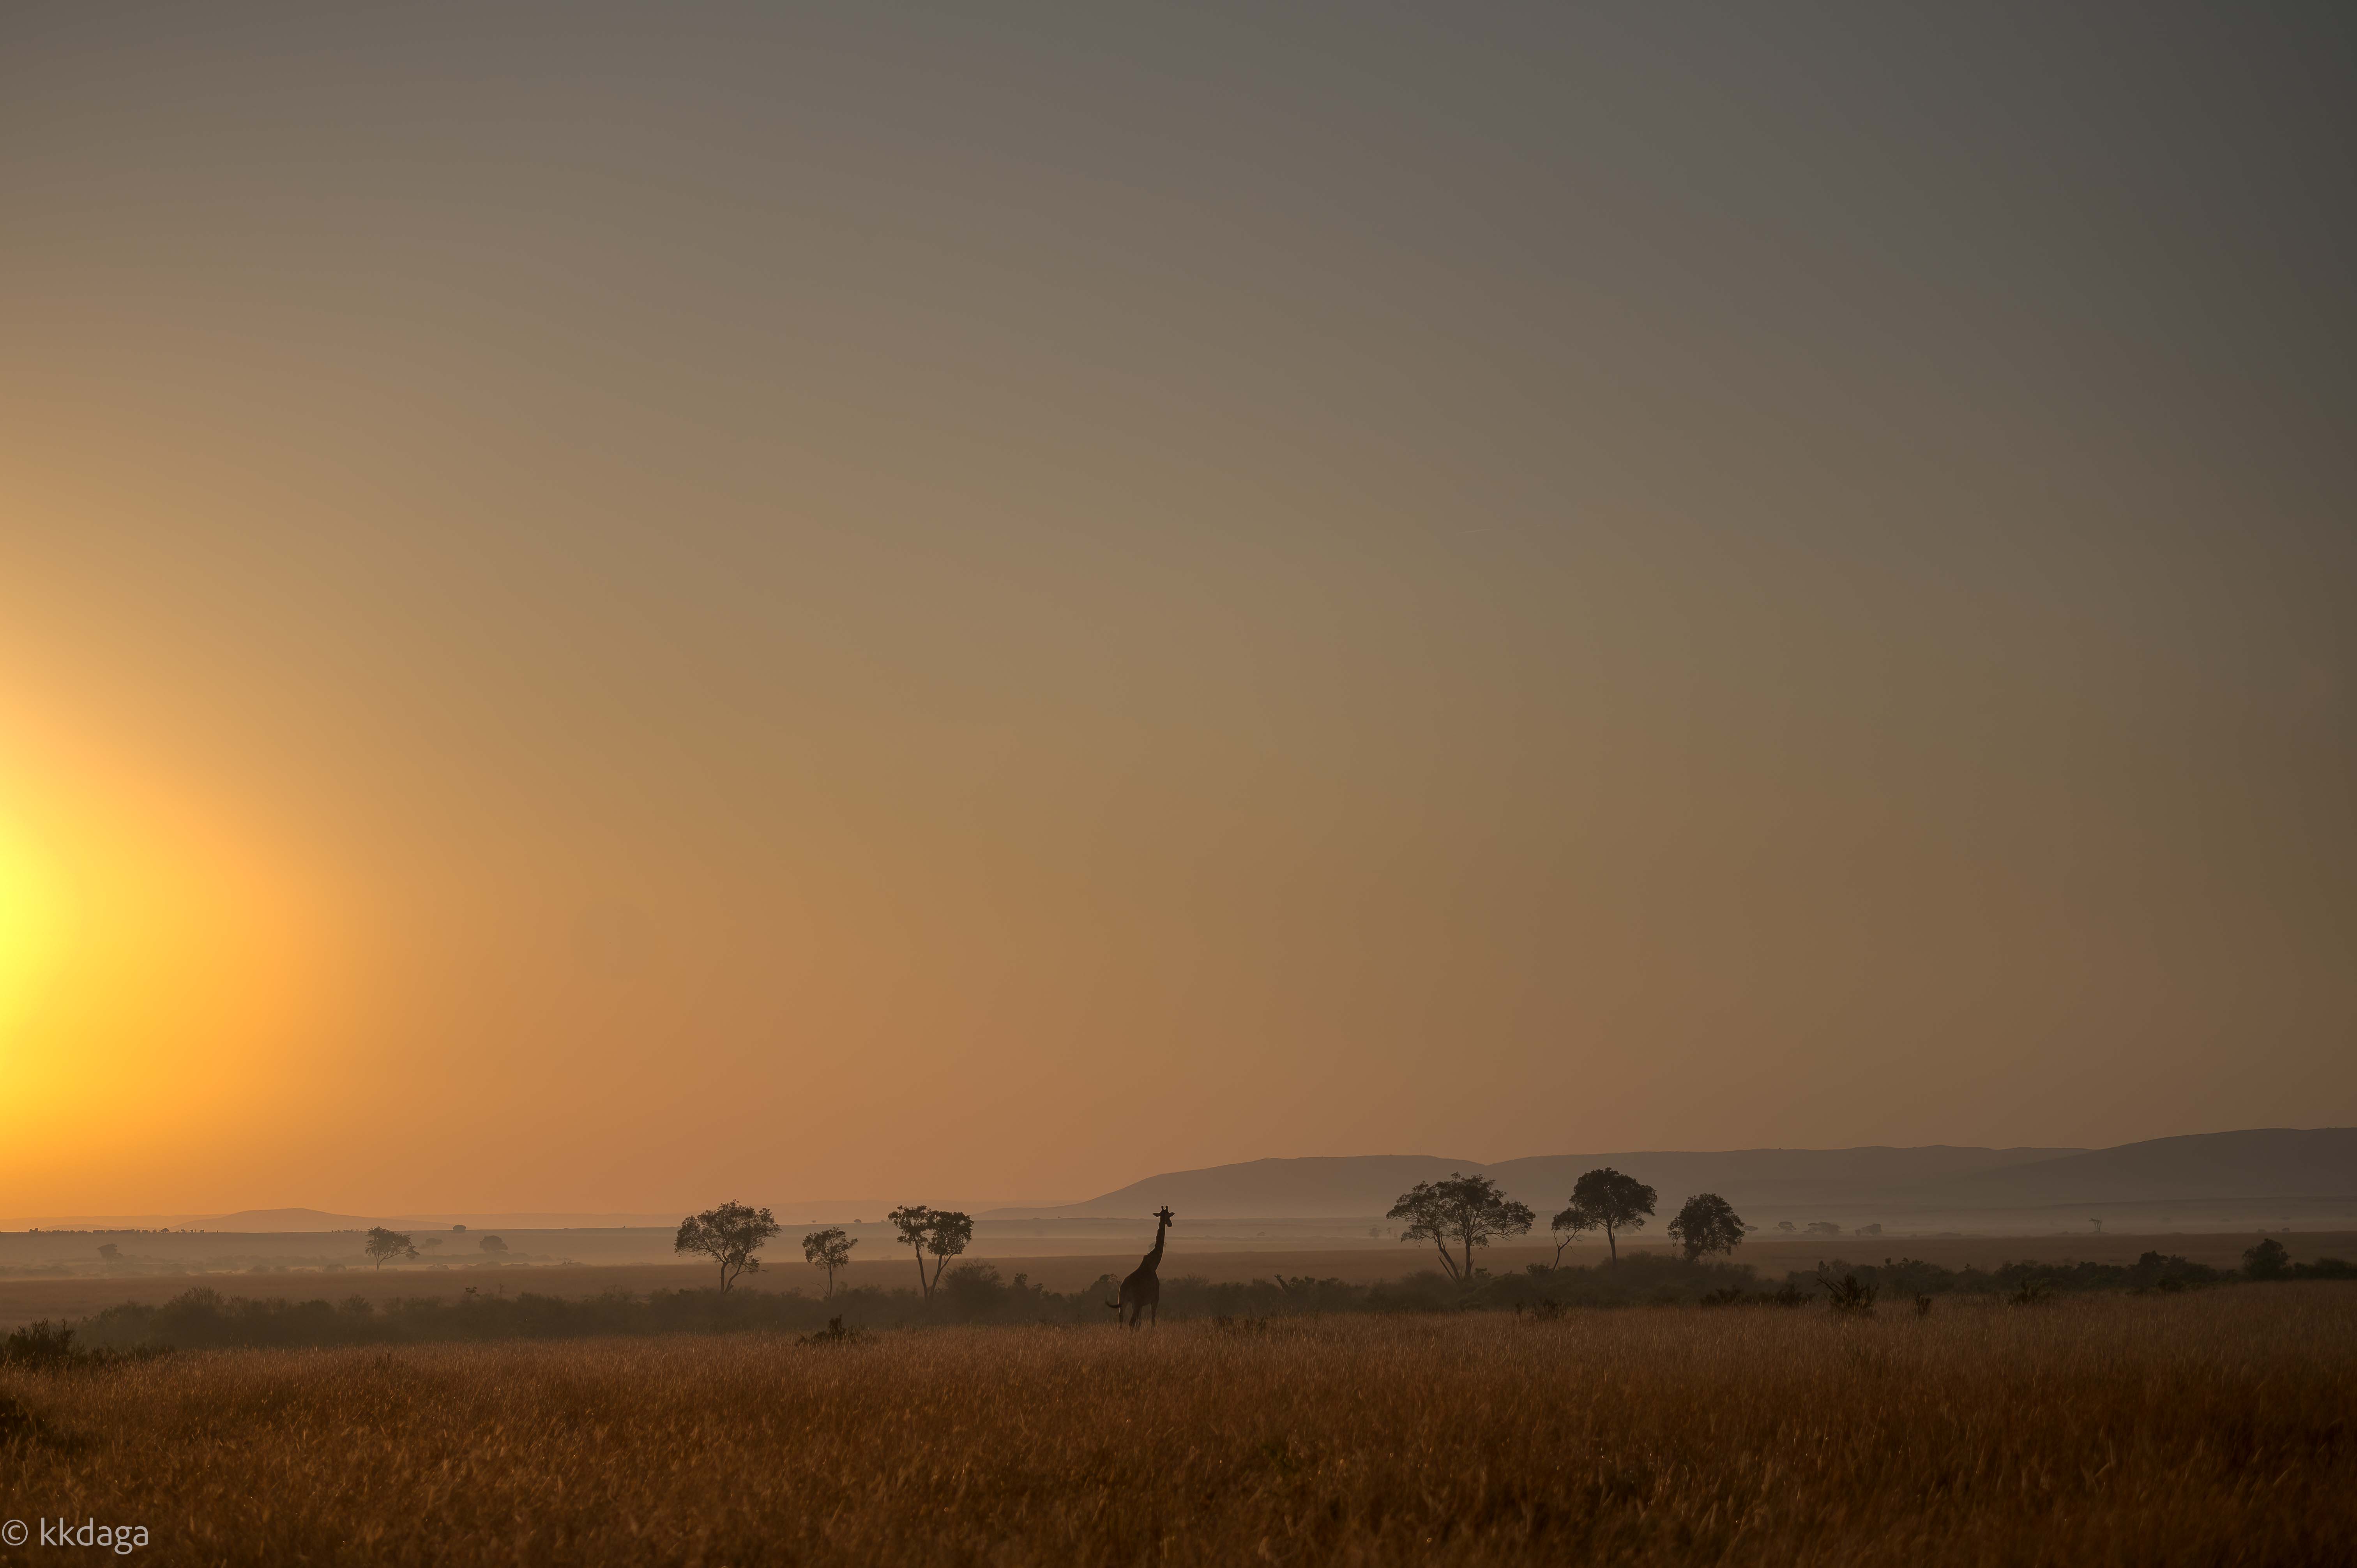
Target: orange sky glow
x=604, y=617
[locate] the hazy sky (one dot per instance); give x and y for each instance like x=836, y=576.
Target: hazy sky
x=620, y=606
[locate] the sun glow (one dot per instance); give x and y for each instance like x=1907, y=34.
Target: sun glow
x=153, y=963
x=29, y=928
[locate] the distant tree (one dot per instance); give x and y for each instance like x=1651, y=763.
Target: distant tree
x=109, y=1251
x=493, y=1244
x=1824, y=1227
x=432, y=1242
x=1569, y=1225
x=2266, y=1261
x=383, y=1244
x=915, y=1222
x=729, y=1235
x=461, y=1229
x=947, y=1236
x=1873, y=1230
x=1619, y=1203
x=943, y=1232
x=1784, y=1225
x=829, y=1250
x=1708, y=1223
x=1466, y=1211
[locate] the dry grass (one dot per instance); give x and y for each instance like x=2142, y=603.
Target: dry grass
x=22, y=1300
x=2215, y=1427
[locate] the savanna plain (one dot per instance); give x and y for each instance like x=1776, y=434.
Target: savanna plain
x=2212, y=1426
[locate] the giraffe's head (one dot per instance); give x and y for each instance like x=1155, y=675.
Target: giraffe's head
x=1164, y=1214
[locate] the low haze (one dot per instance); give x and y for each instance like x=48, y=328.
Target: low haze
x=609, y=608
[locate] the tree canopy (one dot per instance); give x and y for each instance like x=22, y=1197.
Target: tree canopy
x=1708, y=1223
x=383, y=1244
x=729, y=1235
x=1569, y=1227
x=1464, y=1210
x=829, y=1250
x=943, y=1232
x=1618, y=1202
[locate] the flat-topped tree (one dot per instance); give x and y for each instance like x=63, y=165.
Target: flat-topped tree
x=913, y=1222
x=947, y=1236
x=829, y=1250
x=729, y=1235
x=943, y=1232
x=383, y=1244
x=1465, y=1210
x=1618, y=1202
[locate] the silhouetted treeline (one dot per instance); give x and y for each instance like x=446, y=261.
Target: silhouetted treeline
x=976, y=1294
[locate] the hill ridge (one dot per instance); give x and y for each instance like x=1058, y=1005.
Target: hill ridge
x=2249, y=1165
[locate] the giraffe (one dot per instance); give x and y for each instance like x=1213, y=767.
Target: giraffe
x=1142, y=1292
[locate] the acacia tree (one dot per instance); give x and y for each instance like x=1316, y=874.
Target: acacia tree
x=1569, y=1227
x=729, y=1235
x=383, y=1244
x=493, y=1244
x=1618, y=1202
x=1468, y=1210
x=829, y=1250
x=946, y=1238
x=915, y=1222
x=1708, y=1223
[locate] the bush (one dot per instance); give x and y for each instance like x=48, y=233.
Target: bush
x=1848, y=1295
x=47, y=1346
x=40, y=1345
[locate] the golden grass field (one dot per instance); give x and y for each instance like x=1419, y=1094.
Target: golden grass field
x=2211, y=1427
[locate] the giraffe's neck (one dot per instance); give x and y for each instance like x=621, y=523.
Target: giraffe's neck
x=1154, y=1259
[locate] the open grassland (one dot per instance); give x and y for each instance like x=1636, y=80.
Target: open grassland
x=2209, y=1427
x=23, y=1300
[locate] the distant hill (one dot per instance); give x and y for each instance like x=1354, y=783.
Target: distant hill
x=261, y=1220
x=284, y=1219
x=2259, y=1164
x=1346, y=1186
x=1766, y=1178
x=1352, y=1186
